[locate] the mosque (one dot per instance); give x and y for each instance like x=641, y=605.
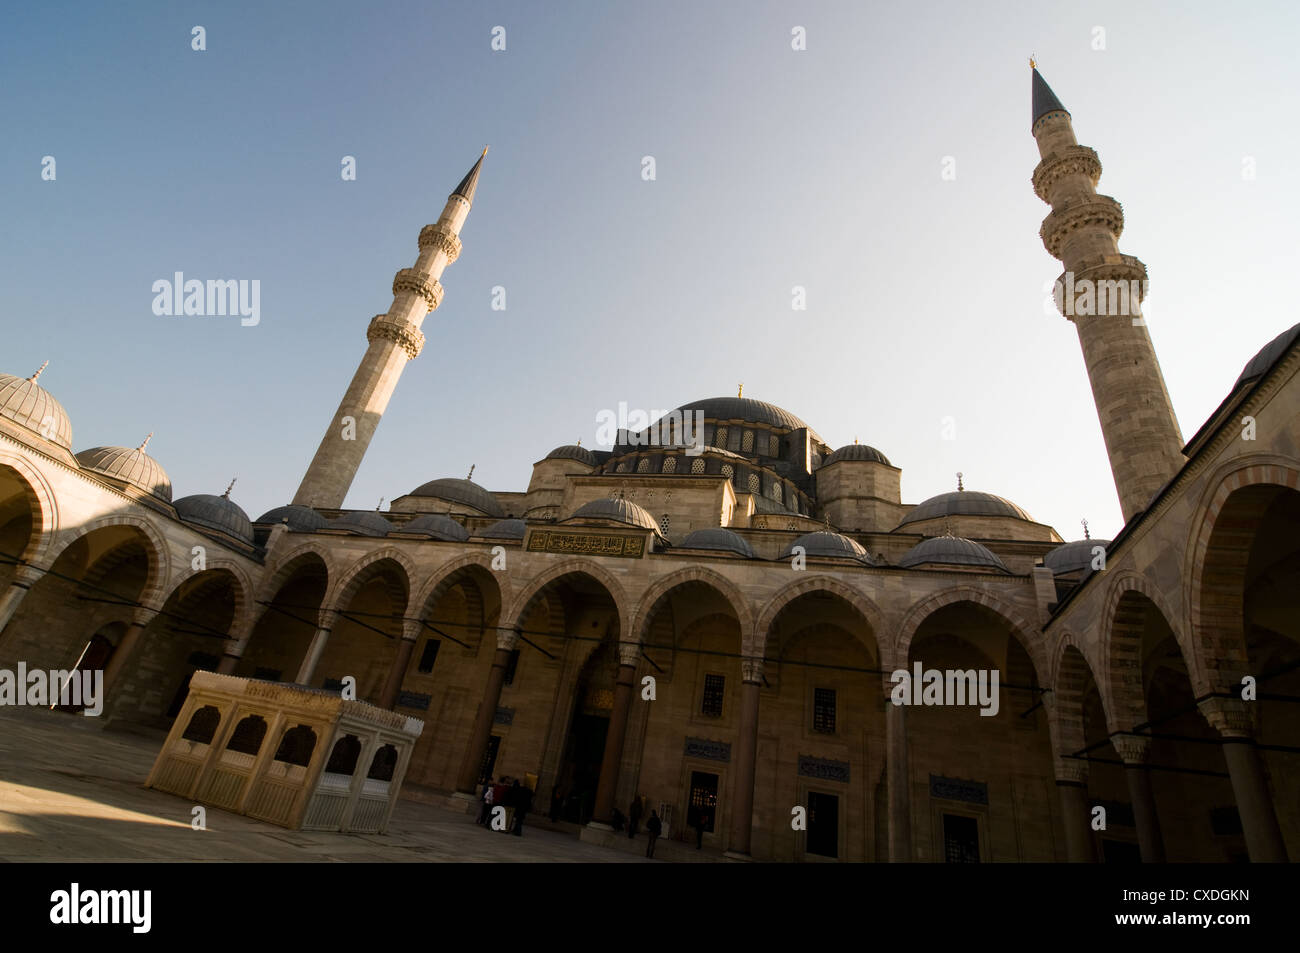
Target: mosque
x=711, y=626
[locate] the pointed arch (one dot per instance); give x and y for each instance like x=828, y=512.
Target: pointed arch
x=756, y=644
x=535, y=589
x=650, y=600
x=1028, y=634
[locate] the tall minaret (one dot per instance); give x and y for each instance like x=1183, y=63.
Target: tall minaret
x=1137, y=419
x=395, y=338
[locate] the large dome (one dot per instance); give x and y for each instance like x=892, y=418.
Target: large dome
x=833, y=545
x=951, y=551
x=1258, y=365
x=130, y=466
x=29, y=405
x=300, y=519
x=462, y=491
x=215, y=512
x=746, y=409
x=616, y=511
x=964, y=503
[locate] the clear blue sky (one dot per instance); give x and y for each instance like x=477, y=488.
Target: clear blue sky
x=776, y=168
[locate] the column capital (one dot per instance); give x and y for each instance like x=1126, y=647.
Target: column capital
x=1071, y=770
x=326, y=618
x=26, y=575
x=507, y=639
x=1133, y=749
x=629, y=653
x=1231, y=717
x=411, y=630
x=751, y=669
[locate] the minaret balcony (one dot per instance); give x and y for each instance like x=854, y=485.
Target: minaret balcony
x=1073, y=160
x=442, y=238
x=1094, y=211
x=408, y=279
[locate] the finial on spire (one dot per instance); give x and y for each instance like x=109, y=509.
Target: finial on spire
x=470, y=475
x=1086, y=534
x=38, y=372
x=579, y=441
x=226, y=495
x=740, y=391
x=855, y=441
x=379, y=505
x=146, y=442
x=1033, y=63
x=828, y=522
x=959, y=485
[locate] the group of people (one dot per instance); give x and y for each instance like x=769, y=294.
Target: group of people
x=508, y=793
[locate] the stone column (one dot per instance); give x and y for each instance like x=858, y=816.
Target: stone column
x=317, y=647
x=1234, y=719
x=1072, y=786
x=397, y=671
x=125, y=649
x=742, y=817
x=487, y=711
x=1133, y=749
x=234, y=650
x=899, y=780
x=628, y=655
x=24, y=578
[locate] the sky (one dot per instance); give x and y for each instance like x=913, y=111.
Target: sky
x=775, y=168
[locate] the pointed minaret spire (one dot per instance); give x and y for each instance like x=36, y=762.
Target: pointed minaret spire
x=470, y=475
x=380, y=505
x=1101, y=291
x=226, y=495
x=39, y=371
x=394, y=339
x=146, y=443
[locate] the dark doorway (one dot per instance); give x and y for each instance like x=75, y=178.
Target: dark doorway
x=823, y=824
x=703, y=803
x=961, y=839
x=594, y=703
x=94, y=657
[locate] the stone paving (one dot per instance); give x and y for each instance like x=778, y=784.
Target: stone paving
x=71, y=792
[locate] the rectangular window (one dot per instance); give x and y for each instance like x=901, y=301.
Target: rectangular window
x=511, y=666
x=430, y=655
x=713, y=689
x=824, y=710
x=961, y=840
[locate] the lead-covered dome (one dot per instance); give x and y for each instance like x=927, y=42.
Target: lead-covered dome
x=363, y=523
x=746, y=409
x=718, y=538
x=964, y=503
x=616, y=511
x=858, y=452
x=1259, y=365
x=951, y=551
x=832, y=545
x=32, y=407
x=300, y=519
x=504, y=529
x=461, y=491
x=1073, y=557
x=572, y=451
x=436, y=526
x=215, y=512
x=131, y=466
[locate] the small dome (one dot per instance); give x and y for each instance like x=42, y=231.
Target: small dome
x=215, y=512
x=950, y=551
x=1268, y=355
x=461, y=491
x=131, y=466
x=718, y=538
x=504, y=529
x=618, y=511
x=858, y=452
x=301, y=519
x=436, y=527
x=29, y=405
x=833, y=545
x=964, y=503
x=1072, y=557
x=363, y=523
x=573, y=452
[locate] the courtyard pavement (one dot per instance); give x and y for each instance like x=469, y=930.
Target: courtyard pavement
x=71, y=792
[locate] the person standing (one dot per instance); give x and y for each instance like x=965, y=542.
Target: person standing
x=633, y=818
x=523, y=803
x=485, y=803
x=653, y=827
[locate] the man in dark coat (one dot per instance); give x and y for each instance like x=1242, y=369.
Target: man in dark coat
x=653, y=828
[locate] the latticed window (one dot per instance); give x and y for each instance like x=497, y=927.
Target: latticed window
x=722, y=438
x=753, y=483
x=663, y=524
x=776, y=492
x=670, y=464
x=747, y=441
x=714, y=685
x=697, y=465
x=728, y=471
x=643, y=466
x=774, y=446
x=824, y=710
x=622, y=468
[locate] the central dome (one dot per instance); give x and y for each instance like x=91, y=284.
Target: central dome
x=462, y=491
x=964, y=503
x=746, y=409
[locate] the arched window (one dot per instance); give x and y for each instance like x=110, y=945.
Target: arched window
x=747, y=442
x=383, y=765
x=722, y=438
x=753, y=483
x=776, y=492
x=643, y=466
x=670, y=464
x=297, y=745
x=728, y=471
x=343, y=759
x=697, y=465
x=248, y=735
x=774, y=446
x=663, y=524
x=203, y=725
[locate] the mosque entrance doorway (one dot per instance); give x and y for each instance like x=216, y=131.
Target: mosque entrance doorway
x=585, y=748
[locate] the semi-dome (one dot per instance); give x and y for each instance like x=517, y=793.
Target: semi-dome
x=834, y=545
x=461, y=491
x=215, y=512
x=1072, y=557
x=572, y=451
x=363, y=523
x=504, y=529
x=964, y=503
x=31, y=406
x=131, y=466
x=720, y=539
x=951, y=551
x=617, y=511
x=1268, y=355
x=436, y=526
x=858, y=452
x=301, y=519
